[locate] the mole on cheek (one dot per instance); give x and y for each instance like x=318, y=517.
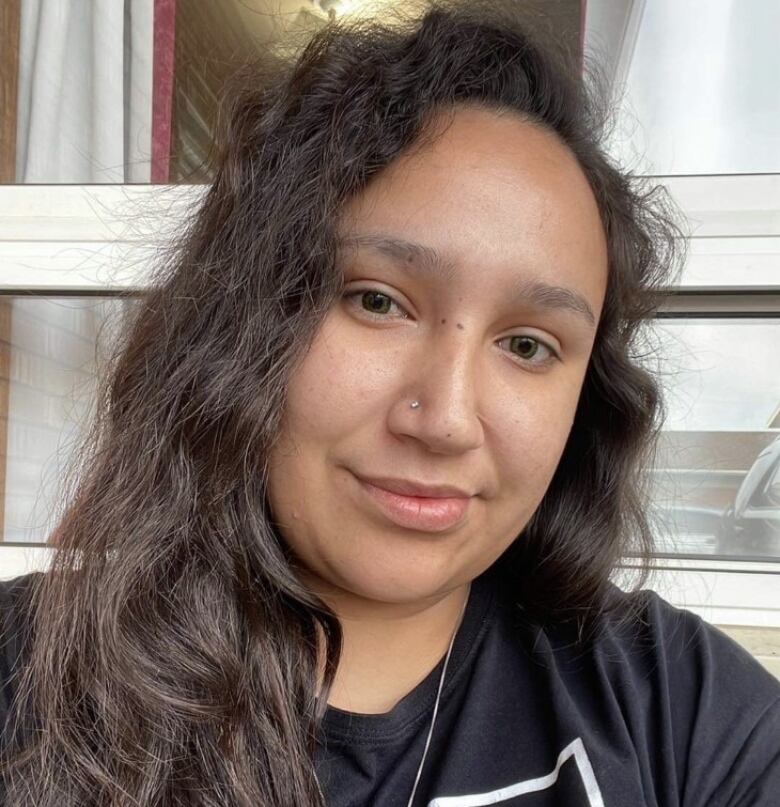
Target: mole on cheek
x=443, y=321
x=459, y=326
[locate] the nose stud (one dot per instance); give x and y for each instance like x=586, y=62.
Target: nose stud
x=414, y=404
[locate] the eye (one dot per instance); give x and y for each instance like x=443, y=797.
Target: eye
x=378, y=305
x=373, y=302
x=531, y=350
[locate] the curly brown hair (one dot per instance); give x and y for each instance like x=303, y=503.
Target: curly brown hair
x=174, y=654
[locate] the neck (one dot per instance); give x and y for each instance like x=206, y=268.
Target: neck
x=389, y=648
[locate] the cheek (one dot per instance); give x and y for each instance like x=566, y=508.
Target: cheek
x=333, y=396
x=535, y=435
x=336, y=367
x=339, y=382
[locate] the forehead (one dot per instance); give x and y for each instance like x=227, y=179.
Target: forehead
x=492, y=189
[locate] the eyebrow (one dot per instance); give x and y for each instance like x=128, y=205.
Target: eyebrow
x=538, y=293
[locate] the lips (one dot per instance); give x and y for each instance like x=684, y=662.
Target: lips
x=408, y=488
x=435, y=512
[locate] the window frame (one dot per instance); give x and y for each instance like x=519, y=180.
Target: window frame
x=106, y=239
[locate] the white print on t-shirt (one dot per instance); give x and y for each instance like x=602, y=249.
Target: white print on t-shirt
x=574, y=749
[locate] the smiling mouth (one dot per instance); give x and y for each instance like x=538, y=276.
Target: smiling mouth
x=424, y=513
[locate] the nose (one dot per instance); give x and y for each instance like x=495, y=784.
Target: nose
x=444, y=377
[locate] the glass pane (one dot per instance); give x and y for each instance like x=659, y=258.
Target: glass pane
x=696, y=83
x=51, y=351
x=715, y=480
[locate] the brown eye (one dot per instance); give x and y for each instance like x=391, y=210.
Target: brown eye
x=375, y=302
x=524, y=346
x=533, y=352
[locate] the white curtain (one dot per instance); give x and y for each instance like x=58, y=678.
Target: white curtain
x=85, y=91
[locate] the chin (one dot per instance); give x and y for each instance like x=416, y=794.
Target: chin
x=403, y=583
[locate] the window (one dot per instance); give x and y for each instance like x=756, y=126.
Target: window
x=721, y=440
x=69, y=253
x=52, y=348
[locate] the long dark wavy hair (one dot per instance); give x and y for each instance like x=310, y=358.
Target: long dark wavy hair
x=174, y=651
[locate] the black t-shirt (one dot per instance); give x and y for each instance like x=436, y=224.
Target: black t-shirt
x=664, y=710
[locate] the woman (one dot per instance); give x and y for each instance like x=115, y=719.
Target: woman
x=365, y=463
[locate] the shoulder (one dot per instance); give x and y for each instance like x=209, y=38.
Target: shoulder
x=671, y=652
x=14, y=633
x=14, y=612
x=648, y=646
x=688, y=650
x=14, y=602
x=688, y=685
x=693, y=709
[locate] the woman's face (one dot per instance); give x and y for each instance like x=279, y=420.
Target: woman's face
x=475, y=272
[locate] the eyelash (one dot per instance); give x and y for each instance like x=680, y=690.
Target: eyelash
x=537, y=365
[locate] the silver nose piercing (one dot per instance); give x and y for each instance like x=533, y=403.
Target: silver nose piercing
x=414, y=404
